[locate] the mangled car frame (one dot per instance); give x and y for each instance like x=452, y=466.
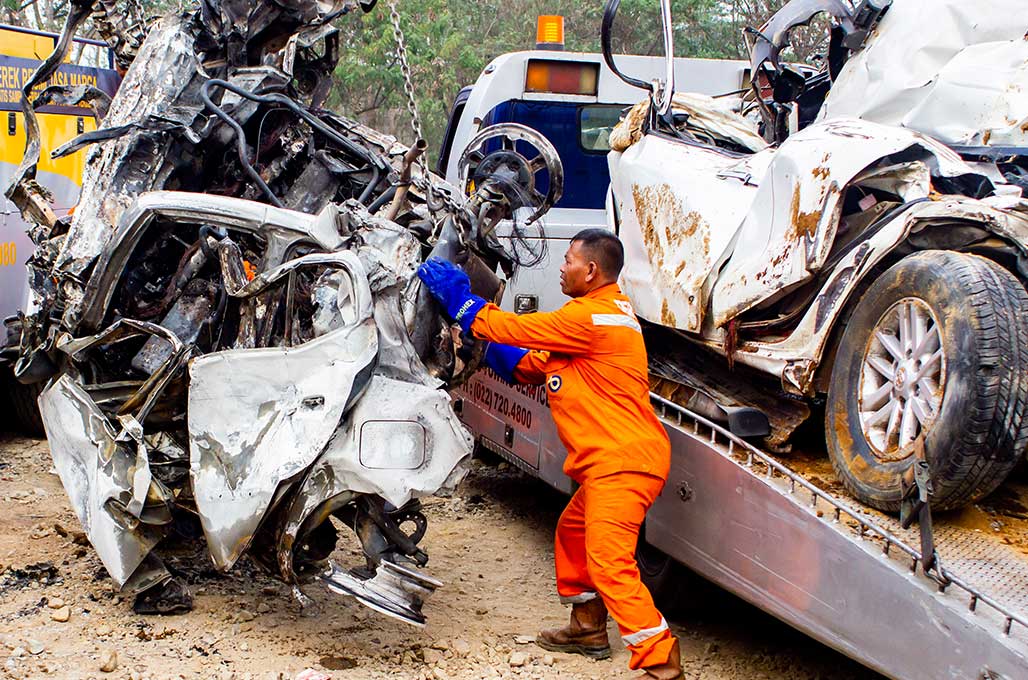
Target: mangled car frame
x=854, y=237
x=230, y=324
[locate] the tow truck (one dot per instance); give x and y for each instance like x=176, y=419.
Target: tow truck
x=21, y=53
x=921, y=600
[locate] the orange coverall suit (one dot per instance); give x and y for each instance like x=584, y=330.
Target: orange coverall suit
x=591, y=356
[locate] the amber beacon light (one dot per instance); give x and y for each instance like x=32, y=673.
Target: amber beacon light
x=549, y=32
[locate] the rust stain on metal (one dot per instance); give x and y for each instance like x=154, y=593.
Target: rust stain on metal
x=693, y=221
x=802, y=223
x=677, y=245
x=667, y=318
x=645, y=206
x=782, y=256
x=821, y=171
x=659, y=211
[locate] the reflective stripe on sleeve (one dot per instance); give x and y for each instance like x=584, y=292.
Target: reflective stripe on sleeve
x=578, y=599
x=616, y=320
x=645, y=634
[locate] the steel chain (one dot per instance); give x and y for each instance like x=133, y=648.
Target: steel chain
x=456, y=207
x=408, y=83
x=439, y=196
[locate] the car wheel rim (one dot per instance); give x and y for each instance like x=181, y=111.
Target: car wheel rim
x=902, y=380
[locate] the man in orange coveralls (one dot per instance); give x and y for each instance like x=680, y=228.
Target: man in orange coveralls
x=590, y=355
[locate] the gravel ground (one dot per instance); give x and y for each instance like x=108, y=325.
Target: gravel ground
x=490, y=544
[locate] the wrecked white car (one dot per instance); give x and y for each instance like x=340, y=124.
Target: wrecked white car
x=859, y=236
x=230, y=324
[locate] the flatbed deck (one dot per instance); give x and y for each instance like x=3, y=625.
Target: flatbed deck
x=848, y=576
x=845, y=574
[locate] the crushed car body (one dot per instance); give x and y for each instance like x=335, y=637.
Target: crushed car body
x=964, y=82
x=806, y=259
x=231, y=325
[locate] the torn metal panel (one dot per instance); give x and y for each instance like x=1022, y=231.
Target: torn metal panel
x=105, y=479
x=676, y=226
x=388, y=254
x=283, y=230
x=793, y=220
x=134, y=163
x=259, y=417
x=838, y=209
x=807, y=343
x=954, y=70
x=282, y=268
x=401, y=441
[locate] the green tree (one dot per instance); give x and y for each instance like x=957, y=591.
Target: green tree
x=449, y=44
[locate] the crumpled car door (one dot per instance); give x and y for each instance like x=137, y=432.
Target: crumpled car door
x=676, y=225
x=259, y=417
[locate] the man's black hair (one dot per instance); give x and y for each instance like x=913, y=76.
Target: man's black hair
x=604, y=248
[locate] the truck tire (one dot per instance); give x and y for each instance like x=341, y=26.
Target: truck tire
x=677, y=591
x=663, y=577
x=21, y=400
x=938, y=344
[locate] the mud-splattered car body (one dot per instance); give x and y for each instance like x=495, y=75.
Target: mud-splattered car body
x=231, y=323
x=910, y=139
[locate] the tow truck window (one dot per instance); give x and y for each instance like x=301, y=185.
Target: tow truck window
x=585, y=165
x=451, y=129
x=595, y=124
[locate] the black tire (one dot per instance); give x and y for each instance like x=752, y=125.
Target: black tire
x=676, y=590
x=21, y=399
x=658, y=572
x=977, y=430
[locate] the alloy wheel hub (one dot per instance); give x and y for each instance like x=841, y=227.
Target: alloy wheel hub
x=902, y=379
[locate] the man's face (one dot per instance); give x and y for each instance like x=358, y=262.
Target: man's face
x=578, y=273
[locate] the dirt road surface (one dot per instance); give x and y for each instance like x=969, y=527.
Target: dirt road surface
x=490, y=544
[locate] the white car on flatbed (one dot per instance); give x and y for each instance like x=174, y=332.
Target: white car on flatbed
x=694, y=184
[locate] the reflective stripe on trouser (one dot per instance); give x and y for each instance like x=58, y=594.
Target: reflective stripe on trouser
x=595, y=552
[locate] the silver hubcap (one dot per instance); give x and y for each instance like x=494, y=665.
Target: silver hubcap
x=902, y=379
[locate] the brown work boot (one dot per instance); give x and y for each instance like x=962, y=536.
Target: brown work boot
x=586, y=634
x=670, y=670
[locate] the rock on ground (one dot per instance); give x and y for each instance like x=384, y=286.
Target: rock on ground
x=491, y=544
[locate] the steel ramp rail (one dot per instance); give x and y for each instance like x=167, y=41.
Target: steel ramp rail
x=846, y=575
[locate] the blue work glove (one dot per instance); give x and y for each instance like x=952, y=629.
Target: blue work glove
x=452, y=288
x=504, y=359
